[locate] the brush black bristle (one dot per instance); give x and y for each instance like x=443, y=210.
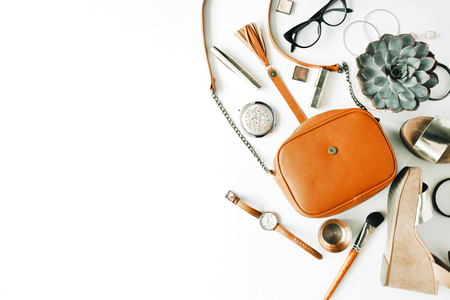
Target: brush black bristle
x=375, y=219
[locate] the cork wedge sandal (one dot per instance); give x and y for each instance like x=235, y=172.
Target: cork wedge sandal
x=428, y=138
x=407, y=263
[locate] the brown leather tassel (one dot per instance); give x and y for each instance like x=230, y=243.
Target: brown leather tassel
x=251, y=36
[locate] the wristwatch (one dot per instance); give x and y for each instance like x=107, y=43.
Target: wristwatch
x=269, y=221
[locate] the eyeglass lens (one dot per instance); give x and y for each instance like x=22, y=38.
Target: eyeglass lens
x=310, y=32
x=335, y=13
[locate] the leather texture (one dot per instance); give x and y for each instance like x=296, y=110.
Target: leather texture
x=287, y=95
x=407, y=263
x=319, y=184
x=298, y=241
x=237, y=201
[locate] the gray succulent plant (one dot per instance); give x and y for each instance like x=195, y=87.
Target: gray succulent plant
x=396, y=72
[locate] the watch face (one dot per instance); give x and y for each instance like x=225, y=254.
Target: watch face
x=257, y=119
x=268, y=221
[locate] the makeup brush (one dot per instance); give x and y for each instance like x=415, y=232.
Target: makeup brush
x=372, y=222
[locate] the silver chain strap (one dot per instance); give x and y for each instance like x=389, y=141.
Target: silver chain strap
x=238, y=132
x=344, y=68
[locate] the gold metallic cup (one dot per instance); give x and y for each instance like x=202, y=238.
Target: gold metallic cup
x=335, y=235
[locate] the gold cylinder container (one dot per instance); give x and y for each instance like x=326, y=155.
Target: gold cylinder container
x=335, y=235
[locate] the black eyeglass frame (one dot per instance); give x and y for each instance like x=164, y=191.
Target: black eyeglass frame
x=317, y=17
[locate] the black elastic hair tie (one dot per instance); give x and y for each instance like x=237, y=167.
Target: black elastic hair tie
x=448, y=91
x=434, y=198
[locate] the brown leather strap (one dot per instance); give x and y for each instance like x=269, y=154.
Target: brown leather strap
x=298, y=241
x=334, y=67
x=212, y=87
x=235, y=200
x=287, y=96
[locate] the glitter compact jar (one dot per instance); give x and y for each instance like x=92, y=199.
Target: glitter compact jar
x=257, y=119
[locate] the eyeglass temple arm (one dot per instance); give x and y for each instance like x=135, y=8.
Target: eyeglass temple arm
x=349, y=10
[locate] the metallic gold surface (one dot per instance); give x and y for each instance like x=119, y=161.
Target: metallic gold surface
x=335, y=235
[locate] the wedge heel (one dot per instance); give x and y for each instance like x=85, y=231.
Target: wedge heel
x=407, y=263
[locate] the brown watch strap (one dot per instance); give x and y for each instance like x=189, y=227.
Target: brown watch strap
x=235, y=200
x=334, y=67
x=298, y=241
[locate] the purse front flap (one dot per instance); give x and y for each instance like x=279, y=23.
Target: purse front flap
x=336, y=161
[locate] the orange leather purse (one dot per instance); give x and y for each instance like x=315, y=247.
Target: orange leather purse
x=333, y=161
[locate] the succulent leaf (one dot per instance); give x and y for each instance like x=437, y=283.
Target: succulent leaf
x=410, y=82
x=413, y=62
x=411, y=71
x=371, y=48
x=366, y=59
x=369, y=88
x=399, y=59
x=409, y=105
x=390, y=56
x=419, y=91
x=432, y=82
x=380, y=81
x=408, y=40
x=393, y=102
x=426, y=63
x=406, y=96
x=386, y=37
x=422, y=50
x=397, y=88
x=382, y=47
x=370, y=73
x=422, y=76
x=378, y=102
x=408, y=51
x=379, y=59
x=385, y=92
x=360, y=77
x=396, y=44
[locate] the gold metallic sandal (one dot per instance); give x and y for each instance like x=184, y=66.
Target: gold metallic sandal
x=407, y=262
x=428, y=138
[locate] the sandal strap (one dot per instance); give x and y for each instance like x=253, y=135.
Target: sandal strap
x=434, y=140
x=424, y=207
x=441, y=271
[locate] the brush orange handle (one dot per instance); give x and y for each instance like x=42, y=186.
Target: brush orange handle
x=347, y=263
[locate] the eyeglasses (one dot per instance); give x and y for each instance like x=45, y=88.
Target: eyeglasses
x=306, y=34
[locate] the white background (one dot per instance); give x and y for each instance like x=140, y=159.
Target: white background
x=114, y=159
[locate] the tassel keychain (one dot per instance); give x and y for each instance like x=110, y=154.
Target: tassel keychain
x=251, y=36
